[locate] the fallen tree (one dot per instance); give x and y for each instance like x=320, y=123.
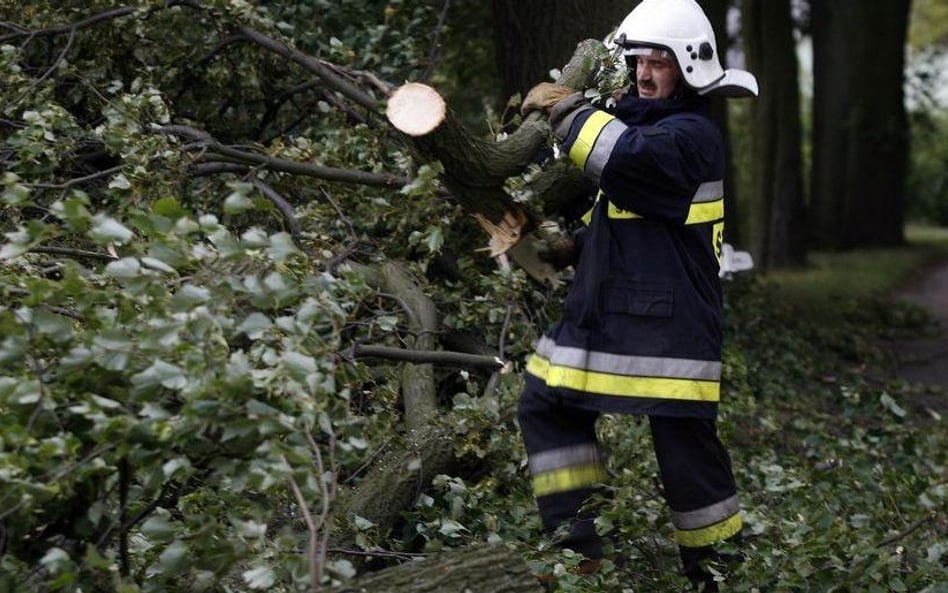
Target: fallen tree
x=237, y=352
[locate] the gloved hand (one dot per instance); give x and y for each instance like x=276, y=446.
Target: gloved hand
x=560, y=253
x=544, y=96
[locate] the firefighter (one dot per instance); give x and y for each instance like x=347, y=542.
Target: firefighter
x=641, y=329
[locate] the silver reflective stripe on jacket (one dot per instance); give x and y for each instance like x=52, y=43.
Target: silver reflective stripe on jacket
x=629, y=365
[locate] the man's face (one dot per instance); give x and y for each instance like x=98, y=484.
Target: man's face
x=656, y=76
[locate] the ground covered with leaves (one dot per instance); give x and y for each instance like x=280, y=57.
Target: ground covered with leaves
x=844, y=482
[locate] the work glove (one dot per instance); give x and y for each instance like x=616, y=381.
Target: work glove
x=560, y=253
x=544, y=96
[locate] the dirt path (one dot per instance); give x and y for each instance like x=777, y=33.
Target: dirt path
x=924, y=360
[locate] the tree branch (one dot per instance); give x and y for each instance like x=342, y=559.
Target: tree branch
x=435, y=42
x=315, y=66
x=69, y=252
x=443, y=357
x=417, y=381
x=907, y=531
x=78, y=180
x=285, y=208
x=216, y=153
x=95, y=19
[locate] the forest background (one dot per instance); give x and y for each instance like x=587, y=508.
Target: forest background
x=251, y=338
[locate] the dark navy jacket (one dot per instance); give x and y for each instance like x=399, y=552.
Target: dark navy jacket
x=642, y=324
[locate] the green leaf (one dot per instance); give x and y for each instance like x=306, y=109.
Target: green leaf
x=157, y=264
x=236, y=203
x=13, y=250
x=124, y=269
x=173, y=558
x=281, y=247
x=106, y=229
x=56, y=560
x=261, y=577
x=890, y=404
x=120, y=181
x=255, y=325
x=169, y=207
x=161, y=373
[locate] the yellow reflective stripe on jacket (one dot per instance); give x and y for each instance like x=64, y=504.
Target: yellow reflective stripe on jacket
x=568, y=478
x=622, y=385
x=705, y=536
x=705, y=212
x=698, y=213
x=583, y=146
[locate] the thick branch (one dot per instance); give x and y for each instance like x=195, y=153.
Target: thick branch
x=417, y=381
x=459, y=359
x=394, y=481
x=476, y=169
x=480, y=569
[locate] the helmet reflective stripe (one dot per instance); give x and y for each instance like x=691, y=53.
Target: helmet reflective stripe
x=681, y=27
x=653, y=52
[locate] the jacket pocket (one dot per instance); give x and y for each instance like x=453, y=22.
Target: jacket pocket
x=641, y=299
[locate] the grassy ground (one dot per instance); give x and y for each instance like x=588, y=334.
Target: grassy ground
x=865, y=273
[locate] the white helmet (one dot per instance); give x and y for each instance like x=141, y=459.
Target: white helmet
x=681, y=27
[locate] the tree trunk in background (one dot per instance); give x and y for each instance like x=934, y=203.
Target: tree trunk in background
x=733, y=233
x=778, y=213
x=532, y=37
x=860, y=130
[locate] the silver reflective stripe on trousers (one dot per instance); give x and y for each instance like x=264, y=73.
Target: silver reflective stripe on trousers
x=708, y=515
x=575, y=455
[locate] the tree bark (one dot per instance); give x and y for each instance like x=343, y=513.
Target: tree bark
x=476, y=170
x=860, y=130
x=734, y=231
x=394, y=481
x=778, y=228
x=483, y=569
x=417, y=380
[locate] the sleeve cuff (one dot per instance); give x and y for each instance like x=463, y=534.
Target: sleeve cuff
x=564, y=112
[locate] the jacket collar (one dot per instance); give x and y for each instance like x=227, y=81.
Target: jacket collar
x=635, y=110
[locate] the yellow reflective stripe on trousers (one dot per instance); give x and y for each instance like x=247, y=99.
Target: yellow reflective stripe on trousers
x=583, y=146
x=623, y=385
x=568, y=478
x=697, y=538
